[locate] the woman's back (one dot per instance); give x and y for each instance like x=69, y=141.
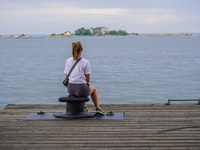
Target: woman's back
x=77, y=76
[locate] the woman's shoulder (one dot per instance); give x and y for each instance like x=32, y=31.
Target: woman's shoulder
x=84, y=60
x=70, y=59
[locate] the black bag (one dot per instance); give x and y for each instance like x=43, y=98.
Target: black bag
x=66, y=81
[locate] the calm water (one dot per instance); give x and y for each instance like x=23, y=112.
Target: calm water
x=129, y=70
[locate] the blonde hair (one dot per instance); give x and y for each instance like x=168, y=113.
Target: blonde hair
x=76, y=49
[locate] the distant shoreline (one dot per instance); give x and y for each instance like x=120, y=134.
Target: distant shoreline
x=18, y=37
x=68, y=36
x=170, y=34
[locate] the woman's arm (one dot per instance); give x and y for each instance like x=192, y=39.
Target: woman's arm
x=87, y=78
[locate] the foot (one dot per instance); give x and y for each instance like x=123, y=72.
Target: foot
x=100, y=111
x=85, y=109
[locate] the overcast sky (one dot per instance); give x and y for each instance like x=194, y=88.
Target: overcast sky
x=134, y=16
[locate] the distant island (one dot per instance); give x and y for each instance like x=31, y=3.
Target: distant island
x=170, y=34
x=104, y=31
x=21, y=36
x=98, y=31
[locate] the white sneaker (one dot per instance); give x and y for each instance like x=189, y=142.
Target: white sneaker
x=100, y=111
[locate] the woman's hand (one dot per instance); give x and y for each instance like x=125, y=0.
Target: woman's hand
x=87, y=78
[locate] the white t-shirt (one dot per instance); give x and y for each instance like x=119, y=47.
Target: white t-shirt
x=81, y=69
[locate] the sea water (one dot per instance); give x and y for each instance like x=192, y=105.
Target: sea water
x=125, y=69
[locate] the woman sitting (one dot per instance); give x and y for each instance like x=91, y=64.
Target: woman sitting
x=80, y=77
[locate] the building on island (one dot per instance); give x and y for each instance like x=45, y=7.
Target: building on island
x=67, y=33
x=100, y=30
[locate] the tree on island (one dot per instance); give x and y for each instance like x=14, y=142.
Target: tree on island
x=120, y=32
x=83, y=31
x=22, y=35
x=53, y=34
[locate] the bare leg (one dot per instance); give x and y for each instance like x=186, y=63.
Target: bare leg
x=94, y=96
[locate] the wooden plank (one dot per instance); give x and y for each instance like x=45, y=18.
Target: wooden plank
x=145, y=127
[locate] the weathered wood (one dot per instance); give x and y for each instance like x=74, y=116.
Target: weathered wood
x=146, y=127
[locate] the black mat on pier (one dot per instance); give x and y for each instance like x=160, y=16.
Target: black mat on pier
x=50, y=116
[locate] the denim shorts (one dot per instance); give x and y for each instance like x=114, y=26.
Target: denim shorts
x=78, y=89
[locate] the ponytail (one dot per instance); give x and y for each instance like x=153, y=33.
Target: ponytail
x=76, y=49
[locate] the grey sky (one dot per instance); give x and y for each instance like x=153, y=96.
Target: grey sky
x=138, y=16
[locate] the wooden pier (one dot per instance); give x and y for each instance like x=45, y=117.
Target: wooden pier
x=146, y=127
